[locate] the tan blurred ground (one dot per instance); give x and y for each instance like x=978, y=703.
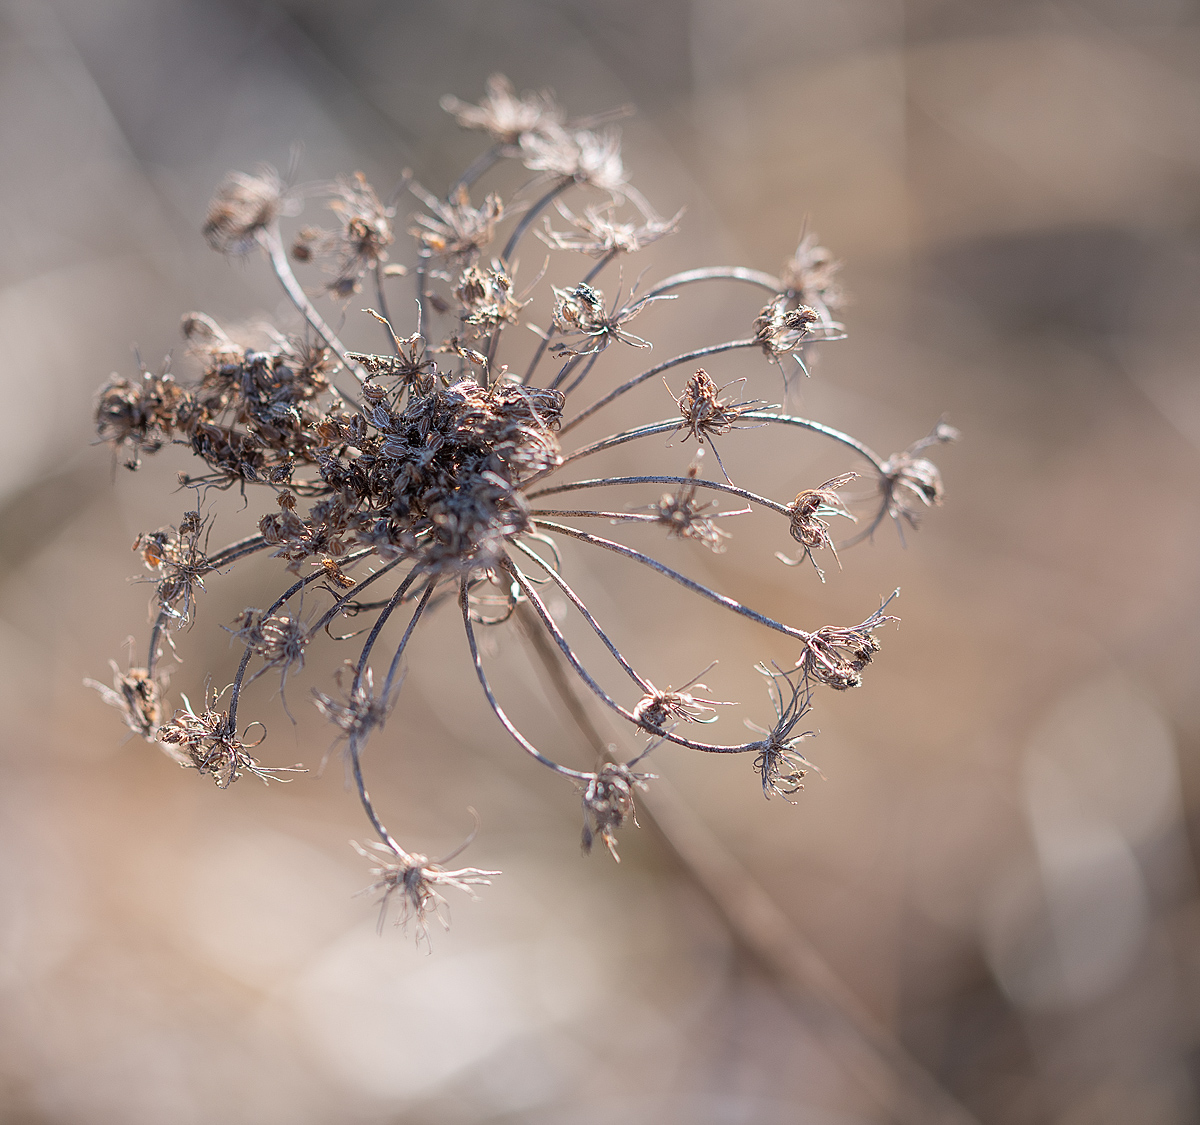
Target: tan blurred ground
x=1001, y=863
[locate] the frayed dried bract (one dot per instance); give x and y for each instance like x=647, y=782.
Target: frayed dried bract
x=608, y=804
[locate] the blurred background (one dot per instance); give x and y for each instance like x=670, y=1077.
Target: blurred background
x=1000, y=866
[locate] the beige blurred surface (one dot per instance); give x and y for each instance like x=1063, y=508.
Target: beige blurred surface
x=1000, y=863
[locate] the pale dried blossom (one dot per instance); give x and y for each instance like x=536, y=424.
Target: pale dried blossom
x=417, y=883
x=455, y=230
x=811, y=274
x=360, y=241
x=585, y=155
x=137, y=695
x=597, y=231
x=608, y=804
x=245, y=205
x=503, y=113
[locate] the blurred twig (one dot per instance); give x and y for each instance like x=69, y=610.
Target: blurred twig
x=764, y=933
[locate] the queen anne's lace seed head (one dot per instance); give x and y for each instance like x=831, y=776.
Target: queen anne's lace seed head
x=447, y=468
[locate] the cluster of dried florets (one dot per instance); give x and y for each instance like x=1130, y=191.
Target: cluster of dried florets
x=428, y=467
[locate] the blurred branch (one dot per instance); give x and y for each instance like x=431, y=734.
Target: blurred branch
x=764, y=933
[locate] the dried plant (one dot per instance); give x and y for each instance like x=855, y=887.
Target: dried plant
x=400, y=480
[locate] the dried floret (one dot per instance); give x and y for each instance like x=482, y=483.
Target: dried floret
x=608, y=804
x=244, y=206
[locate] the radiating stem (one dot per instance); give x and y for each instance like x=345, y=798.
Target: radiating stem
x=505, y=721
x=712, y=595
x=666, y=365
x=283, y=271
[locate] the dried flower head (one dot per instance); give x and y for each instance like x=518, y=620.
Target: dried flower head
x=598, y=233
x=139, y=417
x=780, y=330
x=579, y=313
x=812, y=275
x=137, y=695
x=608, y=804
x=706, y=414
x=398, y=482
x=360, y=241
x=362, y=712
x=456, y=231
x=837, y=656
x=417, y=883
x=658, y=708
x=244, y=206
x=486, y=298
x=811, y=512
x=584, y=155
x=685, y=517
x=779, y=763
x=505, y=115
x=911, y=482
x=210, y=744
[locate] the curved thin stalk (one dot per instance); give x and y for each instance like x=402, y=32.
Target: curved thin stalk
x=552, y=628
x=383, y=307
x=283, y=271
x=666, y=365
x=818, y=428
x=286, y=596
x=482, y=163
x=586, y=613
x=716, y=485
x=528, y=218
x=719, y=273
x=696, y=587
x=505, y=721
